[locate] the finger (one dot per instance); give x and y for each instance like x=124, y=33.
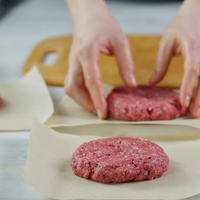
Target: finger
x=124, y=61
x=195, y=107
x=191, y=74
x=75, y=86
x=89, y=62
x=105, y=50
x=165, y=54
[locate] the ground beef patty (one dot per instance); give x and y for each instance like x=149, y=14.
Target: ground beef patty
x=144, y=103
x=120, y=159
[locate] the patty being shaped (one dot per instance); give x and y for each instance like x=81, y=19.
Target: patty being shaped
x=119, y=159
x=144, y=103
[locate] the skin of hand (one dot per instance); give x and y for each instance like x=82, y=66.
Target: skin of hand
x=182, y=36
x=95, y=32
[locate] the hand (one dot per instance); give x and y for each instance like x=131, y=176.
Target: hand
x=96, y=31
x=183, y=37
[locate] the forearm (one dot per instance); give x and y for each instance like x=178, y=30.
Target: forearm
x=82, y=7
x=82, y=10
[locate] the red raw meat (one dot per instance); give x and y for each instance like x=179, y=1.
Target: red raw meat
x=144, y=103
x=118, y=160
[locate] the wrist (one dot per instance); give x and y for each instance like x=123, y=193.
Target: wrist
x=190, y=7
x=83, y=11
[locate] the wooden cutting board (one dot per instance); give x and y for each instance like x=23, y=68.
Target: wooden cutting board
x=143, y=47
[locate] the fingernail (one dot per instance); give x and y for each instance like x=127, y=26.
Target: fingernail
x=187, y=101
x=133, y=81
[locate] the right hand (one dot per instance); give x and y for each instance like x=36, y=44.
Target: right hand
x=182, y=38
x=97, y=32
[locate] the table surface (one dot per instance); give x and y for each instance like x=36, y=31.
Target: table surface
x=20, y=30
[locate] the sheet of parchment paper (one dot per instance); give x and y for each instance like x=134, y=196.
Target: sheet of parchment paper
x=24, y=99
x=48, y=169
x=68, y=113
x=145, y=130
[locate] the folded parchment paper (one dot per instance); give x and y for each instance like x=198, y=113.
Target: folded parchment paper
x=48, y=169
x=68, y=113
x=24, y=99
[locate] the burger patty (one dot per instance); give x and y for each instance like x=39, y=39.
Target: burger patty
x=144, y=103
x=119, y=159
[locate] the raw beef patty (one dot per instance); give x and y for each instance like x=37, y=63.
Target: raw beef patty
x=118, y=160
x=144, y=103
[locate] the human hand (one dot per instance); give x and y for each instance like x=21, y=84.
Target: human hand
x=96, y=31
x=183, y=37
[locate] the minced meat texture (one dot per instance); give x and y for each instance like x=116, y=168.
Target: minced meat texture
x=119, y=159
x=144, y=103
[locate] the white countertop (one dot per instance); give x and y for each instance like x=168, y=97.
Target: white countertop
x=20, y=30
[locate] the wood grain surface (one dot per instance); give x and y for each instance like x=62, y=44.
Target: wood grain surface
x=143, y=47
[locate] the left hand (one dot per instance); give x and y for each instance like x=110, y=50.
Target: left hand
x=183, y=37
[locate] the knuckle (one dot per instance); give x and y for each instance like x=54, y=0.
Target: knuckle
x=125, y=41
x=191, y=38
x=164, y=42
x=192, y=42
x=81, y=51
x=168, y=35
x=195, y=69
x=90, y=81
x=162, y=46
x=122, y=41
x=71, y=57
x=84, y=50
x=191, y=45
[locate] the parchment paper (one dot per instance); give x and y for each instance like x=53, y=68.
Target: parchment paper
x=48, y=169
x=68, y=113
x=24, y=99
